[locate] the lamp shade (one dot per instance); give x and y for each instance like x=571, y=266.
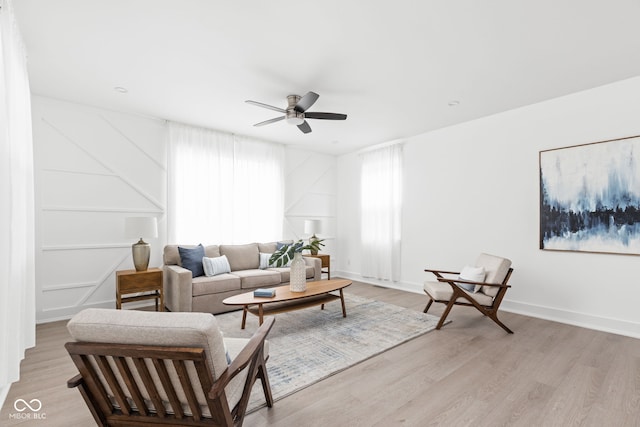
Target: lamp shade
x=311, y=226
x=139, y=227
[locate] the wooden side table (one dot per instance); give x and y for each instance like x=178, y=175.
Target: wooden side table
x=326, y=263
x=132, y=281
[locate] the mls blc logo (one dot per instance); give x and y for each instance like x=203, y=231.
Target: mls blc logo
x=27, y=410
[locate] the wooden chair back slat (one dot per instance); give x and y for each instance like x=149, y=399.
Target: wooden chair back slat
x=129, y=380
x=94, y=384
x=110, y=378
x=149, y=385
x=187, y=387
x=169, y=388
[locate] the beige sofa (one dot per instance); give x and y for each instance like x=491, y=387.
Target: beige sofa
x=182, y=292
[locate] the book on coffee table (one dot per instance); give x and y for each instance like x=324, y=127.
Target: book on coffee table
x=264, y=293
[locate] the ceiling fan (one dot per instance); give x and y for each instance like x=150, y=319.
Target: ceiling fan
x=296, y=112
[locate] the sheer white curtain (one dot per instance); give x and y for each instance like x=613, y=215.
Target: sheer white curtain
x=259, y=189
x=222, y=188
x=381, y=210
x=17, y=264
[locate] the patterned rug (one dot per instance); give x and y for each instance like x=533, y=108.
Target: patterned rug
x=309, y=345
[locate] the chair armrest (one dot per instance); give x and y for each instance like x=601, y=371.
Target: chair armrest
x=75, y=381
x=253, y=349
x=437, y=272
x=500, y=285
x=178, y=288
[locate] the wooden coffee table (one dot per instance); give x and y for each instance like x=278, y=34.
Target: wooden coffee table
x=317, y=293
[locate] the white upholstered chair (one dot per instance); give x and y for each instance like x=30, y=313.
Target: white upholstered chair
x=160, y=368
x=484, y=292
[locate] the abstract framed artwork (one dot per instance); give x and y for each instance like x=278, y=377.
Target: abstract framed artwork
x=590, y=197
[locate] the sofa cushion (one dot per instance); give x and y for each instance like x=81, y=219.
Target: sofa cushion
x=171, y=255
x=242, y=257
x=257, y=278
x=191, y=259
x=285, y=272
x=267, y=248
x=213, y=285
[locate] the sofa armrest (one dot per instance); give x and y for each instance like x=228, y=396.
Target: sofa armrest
x=316, y=263
x=178, y=288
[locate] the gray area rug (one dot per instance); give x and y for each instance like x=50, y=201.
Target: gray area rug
x=309, y=345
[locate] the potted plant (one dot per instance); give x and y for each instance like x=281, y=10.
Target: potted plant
x=282, y=256
x=293, y=252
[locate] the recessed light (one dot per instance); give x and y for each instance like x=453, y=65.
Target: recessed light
x=121, y=89
x=454, y=103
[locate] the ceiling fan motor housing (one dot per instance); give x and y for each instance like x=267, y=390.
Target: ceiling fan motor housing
x=292, y=116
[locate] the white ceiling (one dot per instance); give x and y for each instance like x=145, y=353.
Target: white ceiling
x=391, y=66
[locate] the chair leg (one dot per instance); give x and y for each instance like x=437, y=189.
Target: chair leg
x=266, y=387
x=446, y=313
x=428, y=305
x=494, y=317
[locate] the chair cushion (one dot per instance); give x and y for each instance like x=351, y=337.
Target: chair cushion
x=163, y=329
x=440, y=291
x=496, y=269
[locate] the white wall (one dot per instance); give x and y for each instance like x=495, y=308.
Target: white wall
x=310, y=193
x=93, y=168
x=474, y=188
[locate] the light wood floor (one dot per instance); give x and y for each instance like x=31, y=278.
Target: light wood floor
x=469, y=373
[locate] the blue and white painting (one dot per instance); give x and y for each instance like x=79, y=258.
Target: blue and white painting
x=590, y=197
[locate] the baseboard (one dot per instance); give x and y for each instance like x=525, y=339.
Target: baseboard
x=66, y=313
x=402, y=286
x=598, y=323
x=604, y=324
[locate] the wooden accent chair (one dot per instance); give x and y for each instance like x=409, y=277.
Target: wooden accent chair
x=485, y=295
x=157, y=368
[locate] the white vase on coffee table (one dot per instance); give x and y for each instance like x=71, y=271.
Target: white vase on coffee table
x=298, y=274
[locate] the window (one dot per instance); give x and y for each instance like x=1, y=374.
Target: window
x=223, y=188
x=380, y=210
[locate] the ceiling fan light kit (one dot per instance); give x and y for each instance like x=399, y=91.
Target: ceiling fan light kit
x=296, y=111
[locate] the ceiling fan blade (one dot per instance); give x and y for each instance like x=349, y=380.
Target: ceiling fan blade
x=266, y=122
x=270, y=107
x=306, y=101
x=325, y=116
x=304, y=127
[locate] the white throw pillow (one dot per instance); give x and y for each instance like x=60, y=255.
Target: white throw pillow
x=264, y=260
x=215, y=266
x=473, y=274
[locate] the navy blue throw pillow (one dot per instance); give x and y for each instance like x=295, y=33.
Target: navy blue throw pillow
x=191, y=259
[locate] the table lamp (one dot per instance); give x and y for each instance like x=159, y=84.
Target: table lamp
x=140, y=227
x=312, y=226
